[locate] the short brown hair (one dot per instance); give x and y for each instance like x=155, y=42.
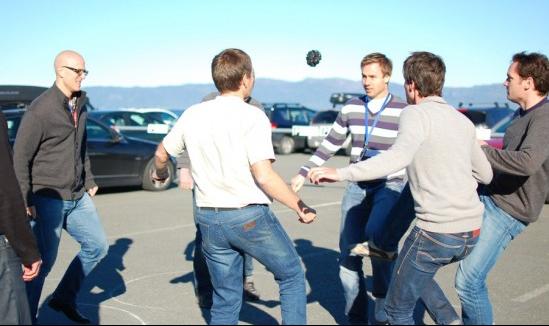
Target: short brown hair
x=229, y=68
x=379, y=58
x=426, y=70
x=534, y=65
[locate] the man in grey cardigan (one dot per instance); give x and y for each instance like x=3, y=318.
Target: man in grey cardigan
x=444, y=163
x=520, y=187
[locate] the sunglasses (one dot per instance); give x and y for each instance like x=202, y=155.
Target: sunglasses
x=79, y=72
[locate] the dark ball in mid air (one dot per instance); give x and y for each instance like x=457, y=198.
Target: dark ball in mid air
x=313, y=58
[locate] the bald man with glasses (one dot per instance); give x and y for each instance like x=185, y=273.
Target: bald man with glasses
x=54, y=173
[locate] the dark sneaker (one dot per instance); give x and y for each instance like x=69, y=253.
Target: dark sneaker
x=380, y=315
x=369, y=250
x=250, y=293
x=70, y=311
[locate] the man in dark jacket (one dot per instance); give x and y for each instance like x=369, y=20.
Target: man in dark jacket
x=519, y=189
x=17, y=244
x=53, y=168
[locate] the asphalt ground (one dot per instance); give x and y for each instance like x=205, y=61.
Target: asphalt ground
x=147, y=276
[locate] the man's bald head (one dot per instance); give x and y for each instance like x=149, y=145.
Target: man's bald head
x=67, y=58
x=70, y=70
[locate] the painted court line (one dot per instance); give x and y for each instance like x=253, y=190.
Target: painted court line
x=532, y=294
x=139, y=319
x=178, y=227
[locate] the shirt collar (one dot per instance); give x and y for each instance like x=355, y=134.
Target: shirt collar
x=434, y=99
x=61, y=98
x=524, y=112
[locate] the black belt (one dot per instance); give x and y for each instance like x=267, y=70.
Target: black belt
x=225, y=209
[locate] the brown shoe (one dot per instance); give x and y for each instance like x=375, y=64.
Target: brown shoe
x=369, y=250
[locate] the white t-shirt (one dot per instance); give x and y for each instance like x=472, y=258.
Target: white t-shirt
x=224, y=138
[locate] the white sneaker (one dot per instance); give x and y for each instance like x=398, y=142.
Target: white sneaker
x=379, y=313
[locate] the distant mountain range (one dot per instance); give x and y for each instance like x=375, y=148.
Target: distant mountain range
x=313, y=93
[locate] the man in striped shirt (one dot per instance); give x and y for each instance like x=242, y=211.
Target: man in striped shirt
x=365, y=205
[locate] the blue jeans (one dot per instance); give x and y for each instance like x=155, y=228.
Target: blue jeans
x=14, y=306
x=498, y=230
x=254, y=230
x=364, y=209
x=202, y=282
x=79, y=218
x=399, y=220
x=423, y=254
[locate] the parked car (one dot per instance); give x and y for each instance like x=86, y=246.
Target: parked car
x=169, y=117
x=14, y=97
x=150, y=125
x=283, y=117
x=322, y=122
x=491, y=122
x=116, y=160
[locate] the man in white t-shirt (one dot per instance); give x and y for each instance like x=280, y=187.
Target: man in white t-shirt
x=229, y=145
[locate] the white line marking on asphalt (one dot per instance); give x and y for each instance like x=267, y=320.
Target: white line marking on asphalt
x=171, y=228
x=286, y=210
x=118, y=309
x=141, y=279
x=178, y=227
x=532, y=295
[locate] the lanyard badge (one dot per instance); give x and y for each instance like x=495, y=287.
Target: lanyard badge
x=368, y=133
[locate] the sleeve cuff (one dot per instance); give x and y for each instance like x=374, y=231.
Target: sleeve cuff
x=304, y=171
x=344, y=174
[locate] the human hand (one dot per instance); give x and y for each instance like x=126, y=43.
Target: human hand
x=93, y=191
x=30, y=272
x=306, y=214
x=482, y=143
x=297, y=182
x=185, y=179
x=160, y=176
x=31, y=212
x=322, y=174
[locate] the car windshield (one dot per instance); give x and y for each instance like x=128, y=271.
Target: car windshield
x=325, y=117
x=97, y=132
x=162, y=117
x=486, y=118
x=12, y=106
x=13, y=125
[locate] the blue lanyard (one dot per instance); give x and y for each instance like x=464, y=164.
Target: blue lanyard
x=367, y=134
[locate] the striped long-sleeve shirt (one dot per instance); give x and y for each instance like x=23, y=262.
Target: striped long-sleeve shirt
x=351, y=119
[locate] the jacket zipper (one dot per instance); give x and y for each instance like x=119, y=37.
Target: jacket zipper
x=75, y=124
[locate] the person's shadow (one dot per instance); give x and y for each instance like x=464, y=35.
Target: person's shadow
x=322, y=273
x=103, y=283
x=248, y=314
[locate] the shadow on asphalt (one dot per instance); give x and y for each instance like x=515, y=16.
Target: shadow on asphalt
x=322, y=274
x=249, y=312
x=105, y=277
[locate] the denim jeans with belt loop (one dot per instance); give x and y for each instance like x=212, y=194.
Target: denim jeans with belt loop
x=14, y=306
x=80, y=219
x=364, y=210
x=254, y=229
x=423, y=254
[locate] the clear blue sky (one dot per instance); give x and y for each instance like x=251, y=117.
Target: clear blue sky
x=155, y=43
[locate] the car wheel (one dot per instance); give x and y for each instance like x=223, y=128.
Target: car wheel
x=287, y=146
x=148, y=183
